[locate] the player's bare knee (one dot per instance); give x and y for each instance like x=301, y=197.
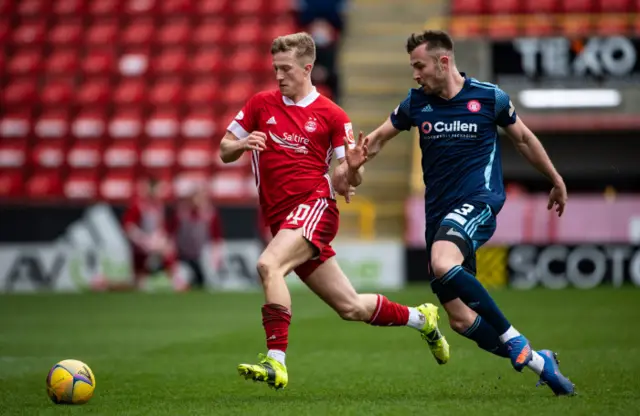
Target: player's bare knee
x=268, y=268
x=459, y=325
x=444, y=257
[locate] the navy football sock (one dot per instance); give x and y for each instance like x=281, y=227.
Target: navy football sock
x=486, y=337
x=475, y=296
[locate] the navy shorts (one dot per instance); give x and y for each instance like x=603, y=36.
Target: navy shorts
x=475, y=222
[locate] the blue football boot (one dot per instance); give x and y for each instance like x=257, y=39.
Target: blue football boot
x=552, y=377
x=520, y=352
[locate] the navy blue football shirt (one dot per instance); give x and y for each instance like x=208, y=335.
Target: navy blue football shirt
x=459, y=141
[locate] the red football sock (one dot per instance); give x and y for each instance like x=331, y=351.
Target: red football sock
x=276, y=319
x=389, y=313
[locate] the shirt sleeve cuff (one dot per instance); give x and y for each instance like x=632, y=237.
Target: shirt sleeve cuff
x=238, y=130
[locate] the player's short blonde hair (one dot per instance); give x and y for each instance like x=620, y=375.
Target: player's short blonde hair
x=301, y=42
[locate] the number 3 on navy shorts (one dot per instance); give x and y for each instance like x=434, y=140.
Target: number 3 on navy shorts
x=476, y=220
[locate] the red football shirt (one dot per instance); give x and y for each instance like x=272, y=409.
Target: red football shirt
x=301, y=139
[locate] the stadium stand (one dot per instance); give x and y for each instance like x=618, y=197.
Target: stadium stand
x=503, y=19
x=97, y=94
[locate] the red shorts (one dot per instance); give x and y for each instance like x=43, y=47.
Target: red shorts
x=319, y=220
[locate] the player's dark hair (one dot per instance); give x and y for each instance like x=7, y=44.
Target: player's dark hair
x=433, y=39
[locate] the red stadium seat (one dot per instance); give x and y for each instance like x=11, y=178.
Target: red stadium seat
x=173, y=7
x=126, y=125
x=171, y=61
x=250, y=59
x=202, y=92
x=158, y=155
x=139, y=32
x=248, y=8
x=18, y=93
x=166, y=93
x=44, y=184
x=195, y=154
x=235, y=95
x=246, y=32
x=15, y=124
x=69, y=7
x=504, y=6
x=62, y=62
x=118, y=185
x=280, y=7
x=614, y=6
x=53, y=123
x=121, y=155
x=210, y=32
x=27, y=62
x=5, y=31
x=467, y=7
x=104, y=32
x=66, y=34
x=105, y=7
x=84, y=155
x=612, y=24
x=30, y=33
x=199, y=125
x=81, y=184
x=130, y=92
x=99, y=62
x=541, y=6
x=279, y=28
x=33, y=7
x=7, y=7
x=635, y=29
x=13, y=154
x=95, y=92
x=11, y=183
x=576, y=25
x=57, y=93
x=577, y=6
x=89, y=124
x=212, y=7
x=48, y=154
x=465, y=27
x=163, y=125
x=538, y=25
x=502, y=27
x=207, y=61
x=175, y=32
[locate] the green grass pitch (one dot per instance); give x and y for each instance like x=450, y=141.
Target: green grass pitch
x=168, y=354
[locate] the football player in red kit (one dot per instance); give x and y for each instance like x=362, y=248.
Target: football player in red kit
x=292, y=134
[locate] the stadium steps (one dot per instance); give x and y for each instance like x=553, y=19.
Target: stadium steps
x=376, y=77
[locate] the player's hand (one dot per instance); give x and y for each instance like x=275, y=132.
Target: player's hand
x=255, y=141
x=558, y=198
x=359, y=154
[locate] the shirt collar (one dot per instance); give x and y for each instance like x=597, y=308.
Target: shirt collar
x=305, y=102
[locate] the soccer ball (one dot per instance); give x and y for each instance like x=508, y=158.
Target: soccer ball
x=70, y=382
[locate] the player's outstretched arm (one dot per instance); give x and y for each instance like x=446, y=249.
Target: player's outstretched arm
x=530, y=147
x=379, y=137
x=231, y=147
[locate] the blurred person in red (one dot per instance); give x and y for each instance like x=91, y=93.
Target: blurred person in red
x=292, y=134
x=146, y=226
x=196, y=223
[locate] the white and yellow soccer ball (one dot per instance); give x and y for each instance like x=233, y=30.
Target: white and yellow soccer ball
x=70, y=382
